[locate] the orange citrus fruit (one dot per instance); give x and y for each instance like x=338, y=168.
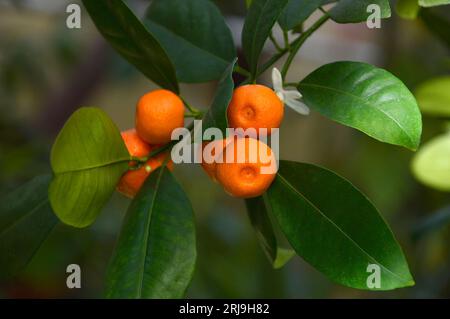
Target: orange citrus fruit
x=158, y=113
x=212, y=152
x=131, y=182
x=255, y=106
x=249, y=168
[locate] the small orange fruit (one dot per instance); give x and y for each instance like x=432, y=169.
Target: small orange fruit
x=249, y=168
x=211, y=153
x=131, y=182
x=158, y=113
x=255, y=106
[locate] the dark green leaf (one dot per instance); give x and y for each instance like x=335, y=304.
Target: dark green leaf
x=297, y=11
x=216, y=116
x=26, y=220
x=155, y=255
x=129, y=37
x=367, y=98
x=259, y=217
x=88, y=159
x=351, y=11
x=335, y=227
x=260, y=19
x=194, y=35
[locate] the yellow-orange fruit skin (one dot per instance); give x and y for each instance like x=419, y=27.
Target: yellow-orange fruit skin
x=255, y=106
x=131, y=182
x=245, y=179
x=158, y=113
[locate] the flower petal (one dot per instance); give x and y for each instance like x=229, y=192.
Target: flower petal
x=277, y=80
x=292, y=94
x=297, y=106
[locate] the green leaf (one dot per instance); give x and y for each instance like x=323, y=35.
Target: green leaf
x=260, y=19
x=433, y=3
x=195, y=36
x=431, y=165
x=129, y=37
x=367, y=98
x=350, y=11
x=88, y=159
x=407, y=9
x=216, y=116
x=296, y=12
x=437, y=23
x=248, y=3
x=257, y=209
x=26, y=220
x=155, y=255
x=433, y=96
x=336, y=228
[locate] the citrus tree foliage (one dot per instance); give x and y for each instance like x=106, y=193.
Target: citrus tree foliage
x=325, y=219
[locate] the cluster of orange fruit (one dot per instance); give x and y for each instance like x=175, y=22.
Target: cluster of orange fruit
x=237, y=163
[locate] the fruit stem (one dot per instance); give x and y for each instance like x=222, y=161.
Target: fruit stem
x=241, y=70
x=297, y=43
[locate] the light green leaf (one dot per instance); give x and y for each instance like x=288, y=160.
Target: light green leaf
x=129, y=37
x=431, y=165
x=257, y=209
x=367, y=98
x=195, y=36
x=407, y=9
x=433, y=96
x=351, y=11
x=336, y=228
x=155, y=255
x=88, y=159
x=260, y=19
x=433, y=3
x=26, y=220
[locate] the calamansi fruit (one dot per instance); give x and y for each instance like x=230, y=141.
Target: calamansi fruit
x=158, y=113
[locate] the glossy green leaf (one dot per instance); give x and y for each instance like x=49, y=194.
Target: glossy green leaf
x=155, y=255
x=351, y=11
x=88, y=159
x=26, y=220
x=257, y=209
x=433, y=3
x=129, y=37
x=407, y=9
x=367, y=98
x=195, y=36
x=297, y=11
x=260, y=19
x=431, y=165
x=433, y=96
x=336, y=228
x=437, y=23
x=216, y=116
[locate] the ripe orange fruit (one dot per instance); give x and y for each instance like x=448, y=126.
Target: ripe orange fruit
x=255, y=106
x=249, y=168
x=211, y=153
x=158, y=113
x=131, y=182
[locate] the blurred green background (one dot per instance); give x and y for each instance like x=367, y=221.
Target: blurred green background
x=48, y=70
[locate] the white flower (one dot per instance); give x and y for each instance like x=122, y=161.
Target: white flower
x=291, y=97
